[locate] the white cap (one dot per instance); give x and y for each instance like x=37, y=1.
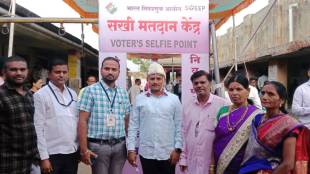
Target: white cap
x=156, y=68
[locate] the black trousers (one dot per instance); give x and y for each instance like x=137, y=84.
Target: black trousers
x=151, y=166
x=65, y=163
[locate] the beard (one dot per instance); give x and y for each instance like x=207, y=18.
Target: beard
x=157, y=88
x=108, y=81
x=14, y=83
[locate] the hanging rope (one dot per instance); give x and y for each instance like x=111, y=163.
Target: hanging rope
x=251, y=38
x=254, y=34
x=82, y=40
x=10, y=9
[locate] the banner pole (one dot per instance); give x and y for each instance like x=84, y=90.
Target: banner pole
x=216, y=62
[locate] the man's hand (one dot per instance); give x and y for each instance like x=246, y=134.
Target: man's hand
x=46, y=166
x=183, y=168
x=132, y=158
x=174, y=157
x=85, y=157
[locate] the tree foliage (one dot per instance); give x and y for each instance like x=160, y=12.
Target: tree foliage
x=144, y=63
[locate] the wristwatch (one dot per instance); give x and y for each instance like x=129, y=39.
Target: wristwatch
x=178, y=150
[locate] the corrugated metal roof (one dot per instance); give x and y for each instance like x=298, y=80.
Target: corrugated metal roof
x=23, y=12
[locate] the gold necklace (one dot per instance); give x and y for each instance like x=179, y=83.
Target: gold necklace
x=265, y=117
x=231, y=127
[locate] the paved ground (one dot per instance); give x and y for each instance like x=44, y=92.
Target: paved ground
x=84, y=169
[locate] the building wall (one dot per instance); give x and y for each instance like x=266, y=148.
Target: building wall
x=272, y=39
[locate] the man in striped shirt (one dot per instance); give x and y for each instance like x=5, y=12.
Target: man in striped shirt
x=104, y=109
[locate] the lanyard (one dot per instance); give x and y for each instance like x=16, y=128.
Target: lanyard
x=65, y=105
x=112, y=103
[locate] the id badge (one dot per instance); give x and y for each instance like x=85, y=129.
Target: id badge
x=111, y=120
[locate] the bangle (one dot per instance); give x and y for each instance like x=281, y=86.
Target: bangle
x=212, y=172
x=83, y=153
x=212, y=168
x=131, y=151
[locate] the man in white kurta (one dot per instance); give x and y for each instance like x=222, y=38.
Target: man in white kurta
x=134, y=91
x=55, y=120
x=301, y=102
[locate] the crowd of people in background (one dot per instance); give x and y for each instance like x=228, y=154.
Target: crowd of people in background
x=49, y=129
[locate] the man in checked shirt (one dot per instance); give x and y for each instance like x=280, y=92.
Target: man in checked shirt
x=104, y=111
x=18, y=141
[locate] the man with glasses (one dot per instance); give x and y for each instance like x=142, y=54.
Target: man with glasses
x=55, y=121
x=104, y=109
x=198, y=125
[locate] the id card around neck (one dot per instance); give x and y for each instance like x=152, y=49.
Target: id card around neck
x=111, y=120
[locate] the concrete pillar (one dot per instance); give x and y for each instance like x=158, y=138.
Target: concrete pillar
x=277, y=71
x=74, y=64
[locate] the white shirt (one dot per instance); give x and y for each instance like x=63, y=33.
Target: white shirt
x=261, y=80
x=56, y=125
x=226, y=96
x=169, y=87
x=158, y=120
x=255, y=97
x=1, y=81
x=133, y=92
x=301, y=103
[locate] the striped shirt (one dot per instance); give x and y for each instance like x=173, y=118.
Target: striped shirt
x=95, y=101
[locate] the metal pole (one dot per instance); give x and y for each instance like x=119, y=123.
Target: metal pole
x=291, y=21
x=82, y=39
x=82, y=59
x=172, y=69
x=216, y=62
x=235, y=43
x=12, y=26
x=47, y=20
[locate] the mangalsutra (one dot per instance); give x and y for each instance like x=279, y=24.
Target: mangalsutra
x=230, y=126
